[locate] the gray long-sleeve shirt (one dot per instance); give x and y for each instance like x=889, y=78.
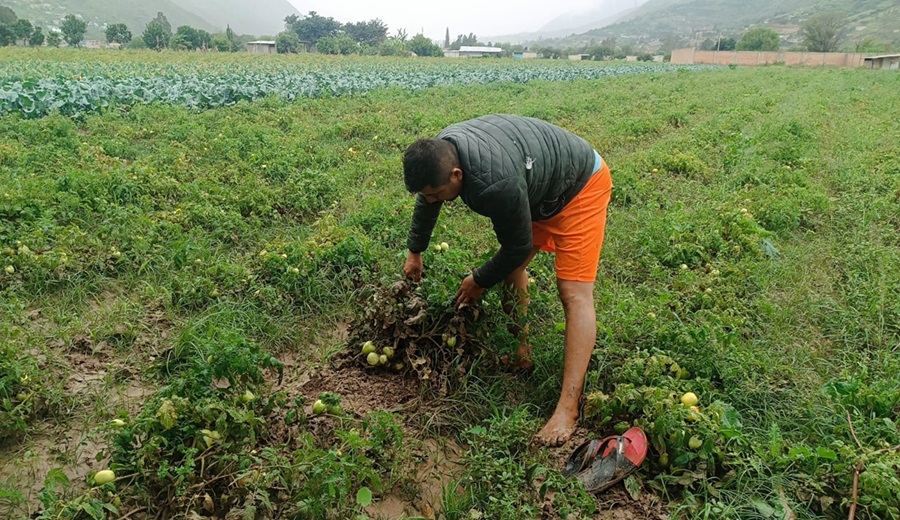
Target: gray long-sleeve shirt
x=515, y=170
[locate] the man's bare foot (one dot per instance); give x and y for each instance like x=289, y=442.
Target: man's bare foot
x=557, y=431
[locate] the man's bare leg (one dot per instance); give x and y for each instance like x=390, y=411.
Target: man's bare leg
x=581, y=334
x=515, y=304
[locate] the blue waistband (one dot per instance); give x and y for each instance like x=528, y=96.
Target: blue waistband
x=597, y=161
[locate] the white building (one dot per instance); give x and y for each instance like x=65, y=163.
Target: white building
x=262, y=47
x=473, y=52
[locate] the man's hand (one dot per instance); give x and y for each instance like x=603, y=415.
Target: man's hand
x=469, y=292
x=413, y=266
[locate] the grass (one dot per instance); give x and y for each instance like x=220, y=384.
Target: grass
x=752, y=242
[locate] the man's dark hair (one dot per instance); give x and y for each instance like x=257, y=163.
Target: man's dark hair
x=427, y=162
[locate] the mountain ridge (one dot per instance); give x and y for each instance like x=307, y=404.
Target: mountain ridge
x=689, y=21
x=263, y=17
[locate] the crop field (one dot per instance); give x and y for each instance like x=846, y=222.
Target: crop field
x=188, y=281
x=35, y=88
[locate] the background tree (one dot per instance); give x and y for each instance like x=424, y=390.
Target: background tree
x=54, y=38
x=73, y=30
x=118, y=33
x=186, y=38
x=37, y=37
x=464, y=39
x=823, y=32
x=287, y=42
x=155, y=36
x=227, y=41
x=871, y=45
x=338, y=44
x=401, y=35
x=7, y=35
x=23, y=29
x=423, y=46
x=759, y=39
x=369, y=33
x=312, y=27
x=164, y=22
x=392, y=47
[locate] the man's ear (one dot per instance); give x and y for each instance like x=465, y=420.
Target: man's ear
x=456, y=174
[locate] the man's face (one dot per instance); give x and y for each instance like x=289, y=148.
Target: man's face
x=448, y=191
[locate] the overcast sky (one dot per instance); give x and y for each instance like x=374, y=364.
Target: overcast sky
x=482, y=17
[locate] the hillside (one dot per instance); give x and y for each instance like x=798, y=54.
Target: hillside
x=262, y=17
x=694, y=20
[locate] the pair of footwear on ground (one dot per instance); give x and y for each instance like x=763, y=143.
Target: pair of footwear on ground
x=600, y=464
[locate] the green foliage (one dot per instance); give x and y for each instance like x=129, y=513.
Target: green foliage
x=371, y=33
x=73, y=29
x=759, y=39
x=312, y=27
x=7, y=34
x=135, y=83
x=155, y=36
x=823, y=32
x=37, y=38
x=501, y=481
x=338, y=44
x=54, y=38
x=288, y=42
x=781, y=205
x=423, y=46
x=118, y=33
x=21, y=390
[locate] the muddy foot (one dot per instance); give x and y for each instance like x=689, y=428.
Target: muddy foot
x=557, y=431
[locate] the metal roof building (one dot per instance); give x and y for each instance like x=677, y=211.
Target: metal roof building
x=468, y=51
x=885, y=62
x=262, y=47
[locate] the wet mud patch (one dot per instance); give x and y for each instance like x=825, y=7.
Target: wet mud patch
x=24, y=465
x=362, y=391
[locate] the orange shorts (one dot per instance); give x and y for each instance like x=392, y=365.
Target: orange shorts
x=576, y=233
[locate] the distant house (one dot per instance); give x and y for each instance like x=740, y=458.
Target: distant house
x=93, y=44
x=885, y=62
x=261, y=47
x=525, y=55
x=579, y=57
x=473, y=52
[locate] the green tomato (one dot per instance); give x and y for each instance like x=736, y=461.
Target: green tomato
x=621, y=427
x=689, y=399
x=451, y=341
x=694, y=443
x=388, y=351
x=368, y=347
x=373, y=358
x=248, y=396
x=319, y=407
x=664, y=460
x=382, y=359
x=104, y=477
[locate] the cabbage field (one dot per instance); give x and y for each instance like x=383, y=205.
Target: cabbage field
x=202, y=313
x=35, y=89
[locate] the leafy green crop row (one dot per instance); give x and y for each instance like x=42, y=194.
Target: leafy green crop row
x=35, y=89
